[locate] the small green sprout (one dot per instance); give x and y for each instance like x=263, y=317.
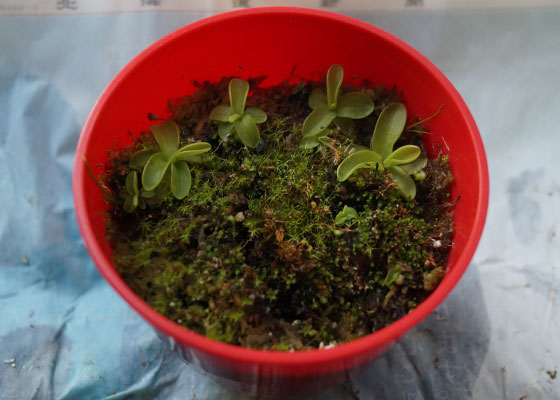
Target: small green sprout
x=236, y=117
x=132, y=196
x=346, y=216
x=331, y=106
x=392, y=275
x=170, y=157
x=401, y=163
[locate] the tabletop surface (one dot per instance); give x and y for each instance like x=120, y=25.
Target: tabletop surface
x=65, y=334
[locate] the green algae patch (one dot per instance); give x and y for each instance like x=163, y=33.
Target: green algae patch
x=267, y=249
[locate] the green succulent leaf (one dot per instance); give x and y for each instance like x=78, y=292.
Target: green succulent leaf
x=324, y=140
x=344, y=124
x=392, y=275
x=221, y=113
x=132, y=183
x=359, y=159
x=402, y=155
x=129, y=203
x=167, y=137
x=317, y=98
x=318, y=120
x=309, y=142
x=238, y=90
x=139, y=158
x=247, y=131
x=388, y=128
x=189, y=151
x=334, y=81
x=404, y=182
x=154, y=170
x=415, y=166
x=224, y=129
x=345, y=216
x=354, y=105
x=147, y=194
x=258, y=115
x=180, y=179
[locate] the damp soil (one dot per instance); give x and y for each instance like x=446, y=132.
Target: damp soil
x=252, y=256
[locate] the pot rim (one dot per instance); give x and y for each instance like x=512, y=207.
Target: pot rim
x=340, y=352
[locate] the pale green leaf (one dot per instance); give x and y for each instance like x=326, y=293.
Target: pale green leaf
x=345, y=216
x=415, y=166
x=404, y=182
x=402, y=155
x=129, y=205
x=147, y=193
x=198, y=147
x=247, y=131
x=238, y=90
x=334, y=81
x=180, y=179
x=318, y=121
x=360, y=159
x=224, y=129
x=317, y=98
x=388, y=128
x=309, y=142
x=258, y=115
x=154, y=170
x=167, y=137
x=324, y=140
x=221, y=113
x=189, y=151
x=132, y=183
x=392, y=275
x=345, y=124
x=139, y=158
x=354, y=105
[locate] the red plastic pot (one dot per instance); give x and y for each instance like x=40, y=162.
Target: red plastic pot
x=272, y=42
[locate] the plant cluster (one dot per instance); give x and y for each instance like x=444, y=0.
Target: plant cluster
x=252, y=237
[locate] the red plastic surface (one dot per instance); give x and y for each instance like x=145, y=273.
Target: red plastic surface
x=271, y=42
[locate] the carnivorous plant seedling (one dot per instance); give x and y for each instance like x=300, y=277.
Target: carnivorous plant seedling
x=331, y=106
x=401, y=163
x=236, y=117
x=132, y=196
x=156, y=164
x=346, y=216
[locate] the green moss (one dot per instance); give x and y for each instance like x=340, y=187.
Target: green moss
x=252, y=255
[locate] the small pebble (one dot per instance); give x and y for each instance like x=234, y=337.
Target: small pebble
x=239, y=217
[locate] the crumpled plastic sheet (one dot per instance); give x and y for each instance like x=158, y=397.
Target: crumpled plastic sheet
x=65, y=334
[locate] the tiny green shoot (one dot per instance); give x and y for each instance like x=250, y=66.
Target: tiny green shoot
x=170, y=157
x=331, y=106
x=401, y=162
x=236, y=117
x=392, y=275
x=346, y=216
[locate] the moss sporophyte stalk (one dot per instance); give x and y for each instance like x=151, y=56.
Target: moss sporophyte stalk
x=281, y=218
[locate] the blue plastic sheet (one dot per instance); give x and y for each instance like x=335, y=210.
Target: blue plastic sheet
x=65, y=334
